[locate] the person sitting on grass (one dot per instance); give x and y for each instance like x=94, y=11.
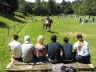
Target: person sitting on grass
x=82, y=50
x=54, y=48
x=40, y=50
x=27, y=50
x=67, y=50
x=15, y=47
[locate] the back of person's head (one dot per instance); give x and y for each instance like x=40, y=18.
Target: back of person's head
x=66, y=39
x=79, y=37
x=40, y=39
x=27, y=39
x=15, y=37
x=53, y=38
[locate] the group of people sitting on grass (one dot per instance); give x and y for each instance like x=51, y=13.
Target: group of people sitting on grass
x=53, y=52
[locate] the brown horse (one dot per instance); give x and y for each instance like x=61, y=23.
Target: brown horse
x=47, y=24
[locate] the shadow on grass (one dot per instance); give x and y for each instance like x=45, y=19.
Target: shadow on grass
x=17, y=19
x=53, y=32
x=11, y=17
x=3, y=25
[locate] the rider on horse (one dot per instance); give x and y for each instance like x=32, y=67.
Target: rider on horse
x=47, y=23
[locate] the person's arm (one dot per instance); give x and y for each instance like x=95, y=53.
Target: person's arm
x=33, y=50
x=61, y=50
x=80, y=45
x=9, y=47
x=75, y=47
x=46, y=50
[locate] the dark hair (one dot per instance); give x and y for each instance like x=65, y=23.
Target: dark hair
x=53, y=38
x=65, y=39
x=79, y=36
x=15, y=37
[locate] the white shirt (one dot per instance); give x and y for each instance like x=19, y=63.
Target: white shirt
x=15, y=47
x=27, y=52
x=84, y=50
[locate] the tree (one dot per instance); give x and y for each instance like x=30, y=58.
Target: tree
x=86, y=6
x=52, y=6
x=94, y=7
x=13, y=3
x=76, y=6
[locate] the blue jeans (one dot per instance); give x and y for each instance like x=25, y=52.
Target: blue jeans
x=83, y=59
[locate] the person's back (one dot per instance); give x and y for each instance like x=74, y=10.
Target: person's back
x=67, y=50
x=40, y=50
x=15, y=47
x=27, y=50
x=54, y=50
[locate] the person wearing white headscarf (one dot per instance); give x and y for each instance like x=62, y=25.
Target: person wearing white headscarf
x=27, y=47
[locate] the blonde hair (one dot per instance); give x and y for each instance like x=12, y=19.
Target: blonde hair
x=40, y=39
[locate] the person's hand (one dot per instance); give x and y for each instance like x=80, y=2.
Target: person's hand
x=80, y=46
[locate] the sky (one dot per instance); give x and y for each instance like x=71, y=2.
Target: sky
x=47, y=0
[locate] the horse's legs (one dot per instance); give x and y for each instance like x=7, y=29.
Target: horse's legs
x=49, y=27
x=44, y=26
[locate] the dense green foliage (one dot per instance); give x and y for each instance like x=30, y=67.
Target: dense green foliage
x=13, y=4
x=79, y=7
x=46, y=8
x=41, y=7
x=84, y=7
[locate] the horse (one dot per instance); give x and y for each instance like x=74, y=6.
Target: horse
x=47, y=24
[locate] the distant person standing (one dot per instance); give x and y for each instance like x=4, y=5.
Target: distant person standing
x=54, y=48
x=93, y=19
x=67, y=49
x=80, y=20
x=15, y=47
x=27, y=50
x=82, y=50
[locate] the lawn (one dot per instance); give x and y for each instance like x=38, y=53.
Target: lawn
x=65, y=26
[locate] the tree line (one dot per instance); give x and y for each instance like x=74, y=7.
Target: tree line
x=41, y=7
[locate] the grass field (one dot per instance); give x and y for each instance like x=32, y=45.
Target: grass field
x=65, y=26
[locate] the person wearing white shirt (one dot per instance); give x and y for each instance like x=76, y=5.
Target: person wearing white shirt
x=15, y=47
x=82, y=50
x=27, y=47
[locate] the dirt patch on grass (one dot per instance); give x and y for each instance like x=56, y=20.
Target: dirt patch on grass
x=73, y=34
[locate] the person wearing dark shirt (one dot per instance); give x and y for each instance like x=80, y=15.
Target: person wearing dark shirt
x=67, y=49
x=54, y=50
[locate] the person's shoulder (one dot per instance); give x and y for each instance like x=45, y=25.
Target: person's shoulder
x=58, y=43
x=69, y=43
x=18, y=42
x=43, y=46
x=49, y=43
x=31, y=44
x=10, y=42
x=85, y=42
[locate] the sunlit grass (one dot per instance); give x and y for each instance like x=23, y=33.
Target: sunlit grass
x=65, y=26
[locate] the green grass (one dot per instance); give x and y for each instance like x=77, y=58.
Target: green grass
x=5, y=38
x=66, y=26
